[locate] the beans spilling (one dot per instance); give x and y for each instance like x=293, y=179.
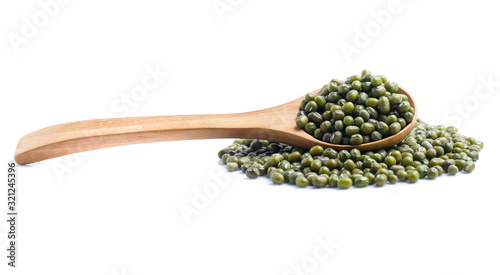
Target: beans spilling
x=428, y=152
x=361, y=109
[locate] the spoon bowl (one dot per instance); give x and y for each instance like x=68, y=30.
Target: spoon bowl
x=379, y=144
x=276, y=124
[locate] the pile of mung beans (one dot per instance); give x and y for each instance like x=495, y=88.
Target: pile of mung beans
x=361, y=109
x=428, y=152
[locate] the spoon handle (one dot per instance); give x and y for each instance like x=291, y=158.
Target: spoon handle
x=80, y=136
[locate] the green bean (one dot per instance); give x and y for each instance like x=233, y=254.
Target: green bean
x=302, y=121
x=277, y=178
x=253, y=172
x=361, y=181
x=320, y=181
x=413, y=176
x=301, y=181
x=344, y=183
x=232, y=166
x=452, y=170
x=432, y=173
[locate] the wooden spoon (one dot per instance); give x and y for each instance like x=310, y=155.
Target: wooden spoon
x=276, y=124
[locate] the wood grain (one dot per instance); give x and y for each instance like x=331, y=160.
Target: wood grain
x=276, y=124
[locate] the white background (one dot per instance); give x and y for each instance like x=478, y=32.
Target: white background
x=116, y=211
